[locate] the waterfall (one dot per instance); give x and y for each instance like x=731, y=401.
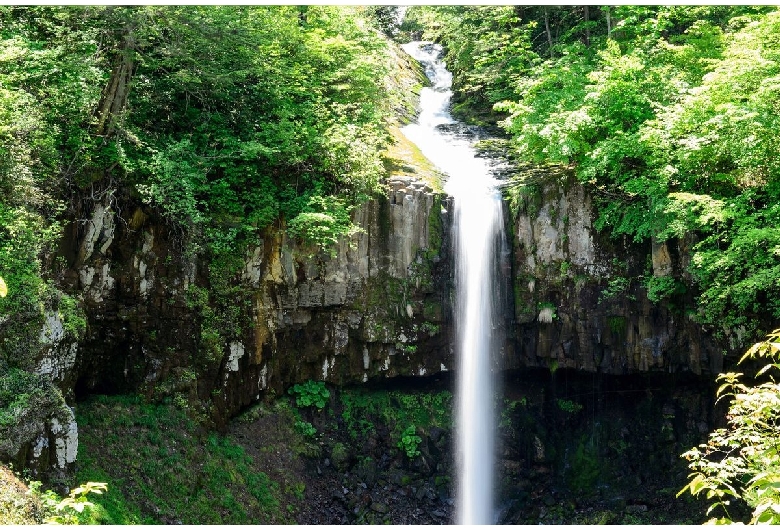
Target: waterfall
x=478, y=232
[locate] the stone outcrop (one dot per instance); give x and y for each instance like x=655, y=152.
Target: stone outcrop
x=377, y=306
x=39, y=431
x=579, y=296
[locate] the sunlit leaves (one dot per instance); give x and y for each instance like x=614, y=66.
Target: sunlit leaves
x=245, y=113
x=671, y=122
x=324, y=221
x=742, y=461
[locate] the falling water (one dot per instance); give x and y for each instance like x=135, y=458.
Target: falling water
x=477, y=230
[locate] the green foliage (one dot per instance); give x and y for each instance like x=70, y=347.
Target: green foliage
x=311, y=393
x=430, y=328
x=549, y=311
x=22, y=503
x=409, y=442
x=146, y=452
x=279, y=118
x=508, y=409
x=19, y=391
x=323, y=223
x=662, y=287
x=617, y=324
x=616, y=286
x=741, y=461
x=228, y=119
x=668, y=115
x=305, y=428
x=363, y=410
x=567, y=405
x=67, y=510
x=585, y=468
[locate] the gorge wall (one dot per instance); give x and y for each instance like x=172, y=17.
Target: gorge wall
x=580, y=297
x=379, y=306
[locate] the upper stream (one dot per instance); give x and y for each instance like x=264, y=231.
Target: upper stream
x=477, y=233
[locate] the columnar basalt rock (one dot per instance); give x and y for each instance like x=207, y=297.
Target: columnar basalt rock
x=375, y=307
x=378, y=306
x=579, y=298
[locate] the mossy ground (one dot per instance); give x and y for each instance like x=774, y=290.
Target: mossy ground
x=268, y=468
x=403, y=157
x=161, y=467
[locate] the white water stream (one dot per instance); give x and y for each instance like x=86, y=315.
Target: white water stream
x=477, y=229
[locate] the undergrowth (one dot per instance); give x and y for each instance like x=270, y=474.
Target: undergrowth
x=362, y=410
x=162, y=469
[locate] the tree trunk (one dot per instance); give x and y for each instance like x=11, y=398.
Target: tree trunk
x=547, y=28
x=114, y=98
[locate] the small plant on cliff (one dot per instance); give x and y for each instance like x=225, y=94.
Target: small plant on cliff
x=615, y=287
x=569, y=406
x=409, y=442
x=659, y=288
x=323, y=222
x=305, y=428
x=68, y=509
x=741, y=461
x=311, y=393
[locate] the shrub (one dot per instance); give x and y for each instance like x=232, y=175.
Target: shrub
x=310, y=393
x=410, y=441
x=741, y=461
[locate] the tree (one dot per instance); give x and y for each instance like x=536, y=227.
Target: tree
x=741, y=462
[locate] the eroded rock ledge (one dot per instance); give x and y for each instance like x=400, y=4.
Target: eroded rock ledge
x=379, y=307
x=579, y=301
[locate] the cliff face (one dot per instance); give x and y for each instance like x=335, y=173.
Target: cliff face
x=579, y=298
x=379, y=306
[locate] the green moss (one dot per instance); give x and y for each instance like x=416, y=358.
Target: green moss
x=525, y=304
x=435, y=228
x=433, y=311
x=617, y=325
x=26, y=399
x=403, y=158
x=363, y=409
x=585, y=467
x=160, y=470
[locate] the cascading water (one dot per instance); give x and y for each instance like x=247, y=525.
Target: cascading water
x=477, y=229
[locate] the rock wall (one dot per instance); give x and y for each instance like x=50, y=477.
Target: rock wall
x=376, y=307
x=579, y=296
x=379, y=306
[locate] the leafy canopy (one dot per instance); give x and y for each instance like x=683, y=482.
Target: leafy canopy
x=668, y=114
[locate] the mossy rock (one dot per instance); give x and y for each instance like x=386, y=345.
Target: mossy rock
x=17, y=505
x=340, y=456
x=28, y=402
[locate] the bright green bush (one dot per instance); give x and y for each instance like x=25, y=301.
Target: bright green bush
x=741, y=462
x=409, y=442
x=311, y=393
x=667, y=114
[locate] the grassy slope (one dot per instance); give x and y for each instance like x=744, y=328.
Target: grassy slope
x=18, y=504
x=162, y=468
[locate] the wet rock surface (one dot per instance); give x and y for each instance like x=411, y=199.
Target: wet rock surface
x=335, y=478
x=572, y=449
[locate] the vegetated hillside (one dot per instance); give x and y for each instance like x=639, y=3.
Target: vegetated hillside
x=668, y=116
x=224, y=120
x=220, y=121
